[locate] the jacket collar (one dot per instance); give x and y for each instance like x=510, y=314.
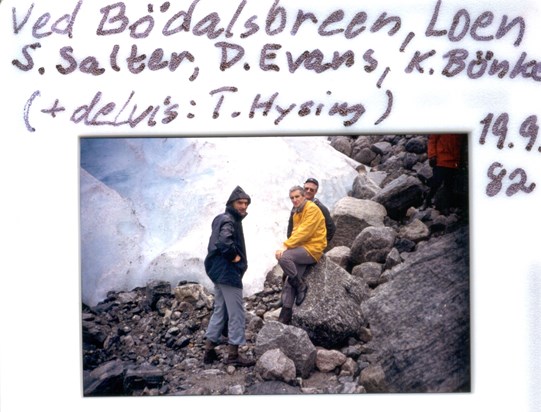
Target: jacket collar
x=301, y=207
x=236, y=215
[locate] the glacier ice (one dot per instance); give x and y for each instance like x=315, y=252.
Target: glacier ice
x=147, y=204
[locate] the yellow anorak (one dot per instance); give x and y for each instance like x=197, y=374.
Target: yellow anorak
x=309, y=230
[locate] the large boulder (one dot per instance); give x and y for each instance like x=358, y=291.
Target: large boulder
x=373, y=244
x=105, y=380
x=275, y=365
x=351, y=216
x=331, y=312
x=293, y=342
x=381, y=148
x=364, y=187
x=399, y=195
x=342, y=144
x=420, y=319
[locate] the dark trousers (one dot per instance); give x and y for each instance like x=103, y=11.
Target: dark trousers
x=294, y=263
x=442, y=177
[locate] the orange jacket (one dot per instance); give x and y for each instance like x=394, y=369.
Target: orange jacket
x=445, y=148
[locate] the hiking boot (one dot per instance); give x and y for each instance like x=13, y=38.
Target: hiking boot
x=233, y=358
x=210, y=352
x=285, y=316
x=301, y=293
x=274, y=305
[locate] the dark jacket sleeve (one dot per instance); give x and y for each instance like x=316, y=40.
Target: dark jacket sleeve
x=290, y=225
x=329, y=223
x=225, y=242
x=223, y=247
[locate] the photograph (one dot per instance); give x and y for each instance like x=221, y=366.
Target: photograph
x=275, y=265
x=270, y=204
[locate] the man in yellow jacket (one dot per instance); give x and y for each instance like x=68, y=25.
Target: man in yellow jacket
x=304, y=247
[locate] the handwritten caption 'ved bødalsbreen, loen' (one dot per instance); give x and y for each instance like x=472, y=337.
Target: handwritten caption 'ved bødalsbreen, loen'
x=227, y=33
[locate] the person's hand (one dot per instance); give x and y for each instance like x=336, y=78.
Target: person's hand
x=432, y=161
x=278, y=254
x=237, y=259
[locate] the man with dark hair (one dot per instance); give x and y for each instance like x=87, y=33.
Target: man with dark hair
x=225, y=264
x=311, y=187
x=302, y=248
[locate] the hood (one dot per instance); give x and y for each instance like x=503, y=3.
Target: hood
x=238, y=193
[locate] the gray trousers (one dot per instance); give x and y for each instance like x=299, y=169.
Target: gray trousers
x=293, y=262
x=228, y=302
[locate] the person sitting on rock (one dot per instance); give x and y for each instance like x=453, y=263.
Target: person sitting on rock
x=225, y=264
x=311, y=186
x=304, y=247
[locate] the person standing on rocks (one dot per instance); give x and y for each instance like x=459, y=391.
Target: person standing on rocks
x=444, y=156
x=225, y=264
x=311, y=187
x=302, y=248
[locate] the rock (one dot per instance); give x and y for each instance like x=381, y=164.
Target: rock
x=409, y=161
x=94, y=334
x=424, y=172
x=273, y=388
x=364, y=187
x=400, y=194
x=404, y=245
x=273, y=315
x=142, y=377
x=393, y=166
x=351, y=216
x=342, y=144
x=362, y=142
x=128, y=297
x=254, y=323
x=349, y=368
x=381, y=148
x=107, y=379
x=156, y=290
x=331, y=312
x=195, y=392
x=417, y=145
x=373, y=379
x=292, y=341
x=193, y=293
x=365, y=335
x=340, y=256
x=365, y=156
x=329, y=360
x=392, y=259
x=275, y=365
x=377, y=177
x=370, y=272
x=421, y=318
x=414, y=231
x=235, y=390
x=373, y=244
x=320, y=382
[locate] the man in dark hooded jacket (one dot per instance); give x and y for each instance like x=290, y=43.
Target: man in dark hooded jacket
x=225, y=264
